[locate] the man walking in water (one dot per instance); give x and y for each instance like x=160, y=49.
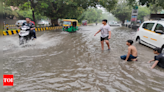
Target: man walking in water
x=105, y=34
x=132, y=52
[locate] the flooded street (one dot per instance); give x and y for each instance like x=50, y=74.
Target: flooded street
x=73, y=62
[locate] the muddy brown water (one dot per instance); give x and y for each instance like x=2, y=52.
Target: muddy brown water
x=73, y=62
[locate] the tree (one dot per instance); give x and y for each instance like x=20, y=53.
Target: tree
x=8, y=13
x=91, y=15
x=142, y=12
x=122, y=12
x=155, y=8
x=69, y=8
x=55, y=9
x=146, y=2
x=24, y=5
x=28, y=13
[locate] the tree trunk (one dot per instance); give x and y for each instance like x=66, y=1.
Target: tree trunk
x=33, y=15
x=54, y=22
x=123, y=22
x=156, y=11
x=33, y=9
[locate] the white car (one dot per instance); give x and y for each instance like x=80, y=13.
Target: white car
x=20, y=22
x=43, y=22
x=114, y=24
x=151, y=33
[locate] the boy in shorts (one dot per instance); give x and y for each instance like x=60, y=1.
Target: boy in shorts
x=105, y=34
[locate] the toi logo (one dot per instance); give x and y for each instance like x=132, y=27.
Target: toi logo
x=8, y=80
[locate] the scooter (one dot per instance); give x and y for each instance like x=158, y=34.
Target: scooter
x=24, y=35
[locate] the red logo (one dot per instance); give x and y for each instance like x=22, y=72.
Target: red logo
x=8, y=80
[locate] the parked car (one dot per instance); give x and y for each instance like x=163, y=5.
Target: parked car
x=19, y=22
x=44, y=22
x=127, y=24
x=151, y=33
x=113, y=23
x=135, y=25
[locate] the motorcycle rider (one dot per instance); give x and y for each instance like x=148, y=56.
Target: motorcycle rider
x=34, y=29
x=31, y=25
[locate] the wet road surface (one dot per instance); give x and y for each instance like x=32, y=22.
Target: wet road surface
x=73, y=62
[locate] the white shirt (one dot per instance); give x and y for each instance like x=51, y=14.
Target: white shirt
x=105, y=30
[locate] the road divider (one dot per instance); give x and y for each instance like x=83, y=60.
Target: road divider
x=9, y=25
x=12, y=32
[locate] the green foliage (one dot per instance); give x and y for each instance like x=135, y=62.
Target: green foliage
x=147, y=2
x=122, y=12
x=14, y=2
x=109, y=17
x=56, y=9
x=91, y=15
x=25, y=6
x=95, y=15
x=155, y=8
x=142, y=12
x=8, y=13
x=108, y=4
x=28, y=13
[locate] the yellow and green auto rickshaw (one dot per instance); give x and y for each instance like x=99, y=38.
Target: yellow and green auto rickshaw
x=70, y=25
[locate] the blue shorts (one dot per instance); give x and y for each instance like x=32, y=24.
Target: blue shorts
x=130, y=57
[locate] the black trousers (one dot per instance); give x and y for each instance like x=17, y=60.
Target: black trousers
x=31, y=34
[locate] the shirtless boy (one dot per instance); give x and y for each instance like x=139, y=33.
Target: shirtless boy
x=132, y=52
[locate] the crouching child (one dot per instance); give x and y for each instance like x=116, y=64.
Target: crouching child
x=132, y=52
x=159, y=59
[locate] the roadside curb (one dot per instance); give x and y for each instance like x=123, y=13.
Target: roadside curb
x=9, y=25
x=12, y=32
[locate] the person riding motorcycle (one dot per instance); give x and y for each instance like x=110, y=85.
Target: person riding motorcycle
x=31, y=25
x=34, y=29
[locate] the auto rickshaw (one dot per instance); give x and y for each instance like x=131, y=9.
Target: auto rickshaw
x=84, y=22
x=70, y=25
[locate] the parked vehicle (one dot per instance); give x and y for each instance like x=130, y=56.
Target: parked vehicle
x=84, y=22
x=19, y=22
x=127, y=24
x=113, y=23
x=135, y=25
x=44, y=23
x=70, y=25
x=151, y=33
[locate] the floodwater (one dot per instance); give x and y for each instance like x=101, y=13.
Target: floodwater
x=73, y=62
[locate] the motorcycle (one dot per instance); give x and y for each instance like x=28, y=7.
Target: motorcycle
x=24, y=35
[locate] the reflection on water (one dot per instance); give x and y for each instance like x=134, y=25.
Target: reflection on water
x=73, y=62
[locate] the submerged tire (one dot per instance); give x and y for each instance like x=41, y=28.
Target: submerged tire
x=162, y=49
x=138, y=40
